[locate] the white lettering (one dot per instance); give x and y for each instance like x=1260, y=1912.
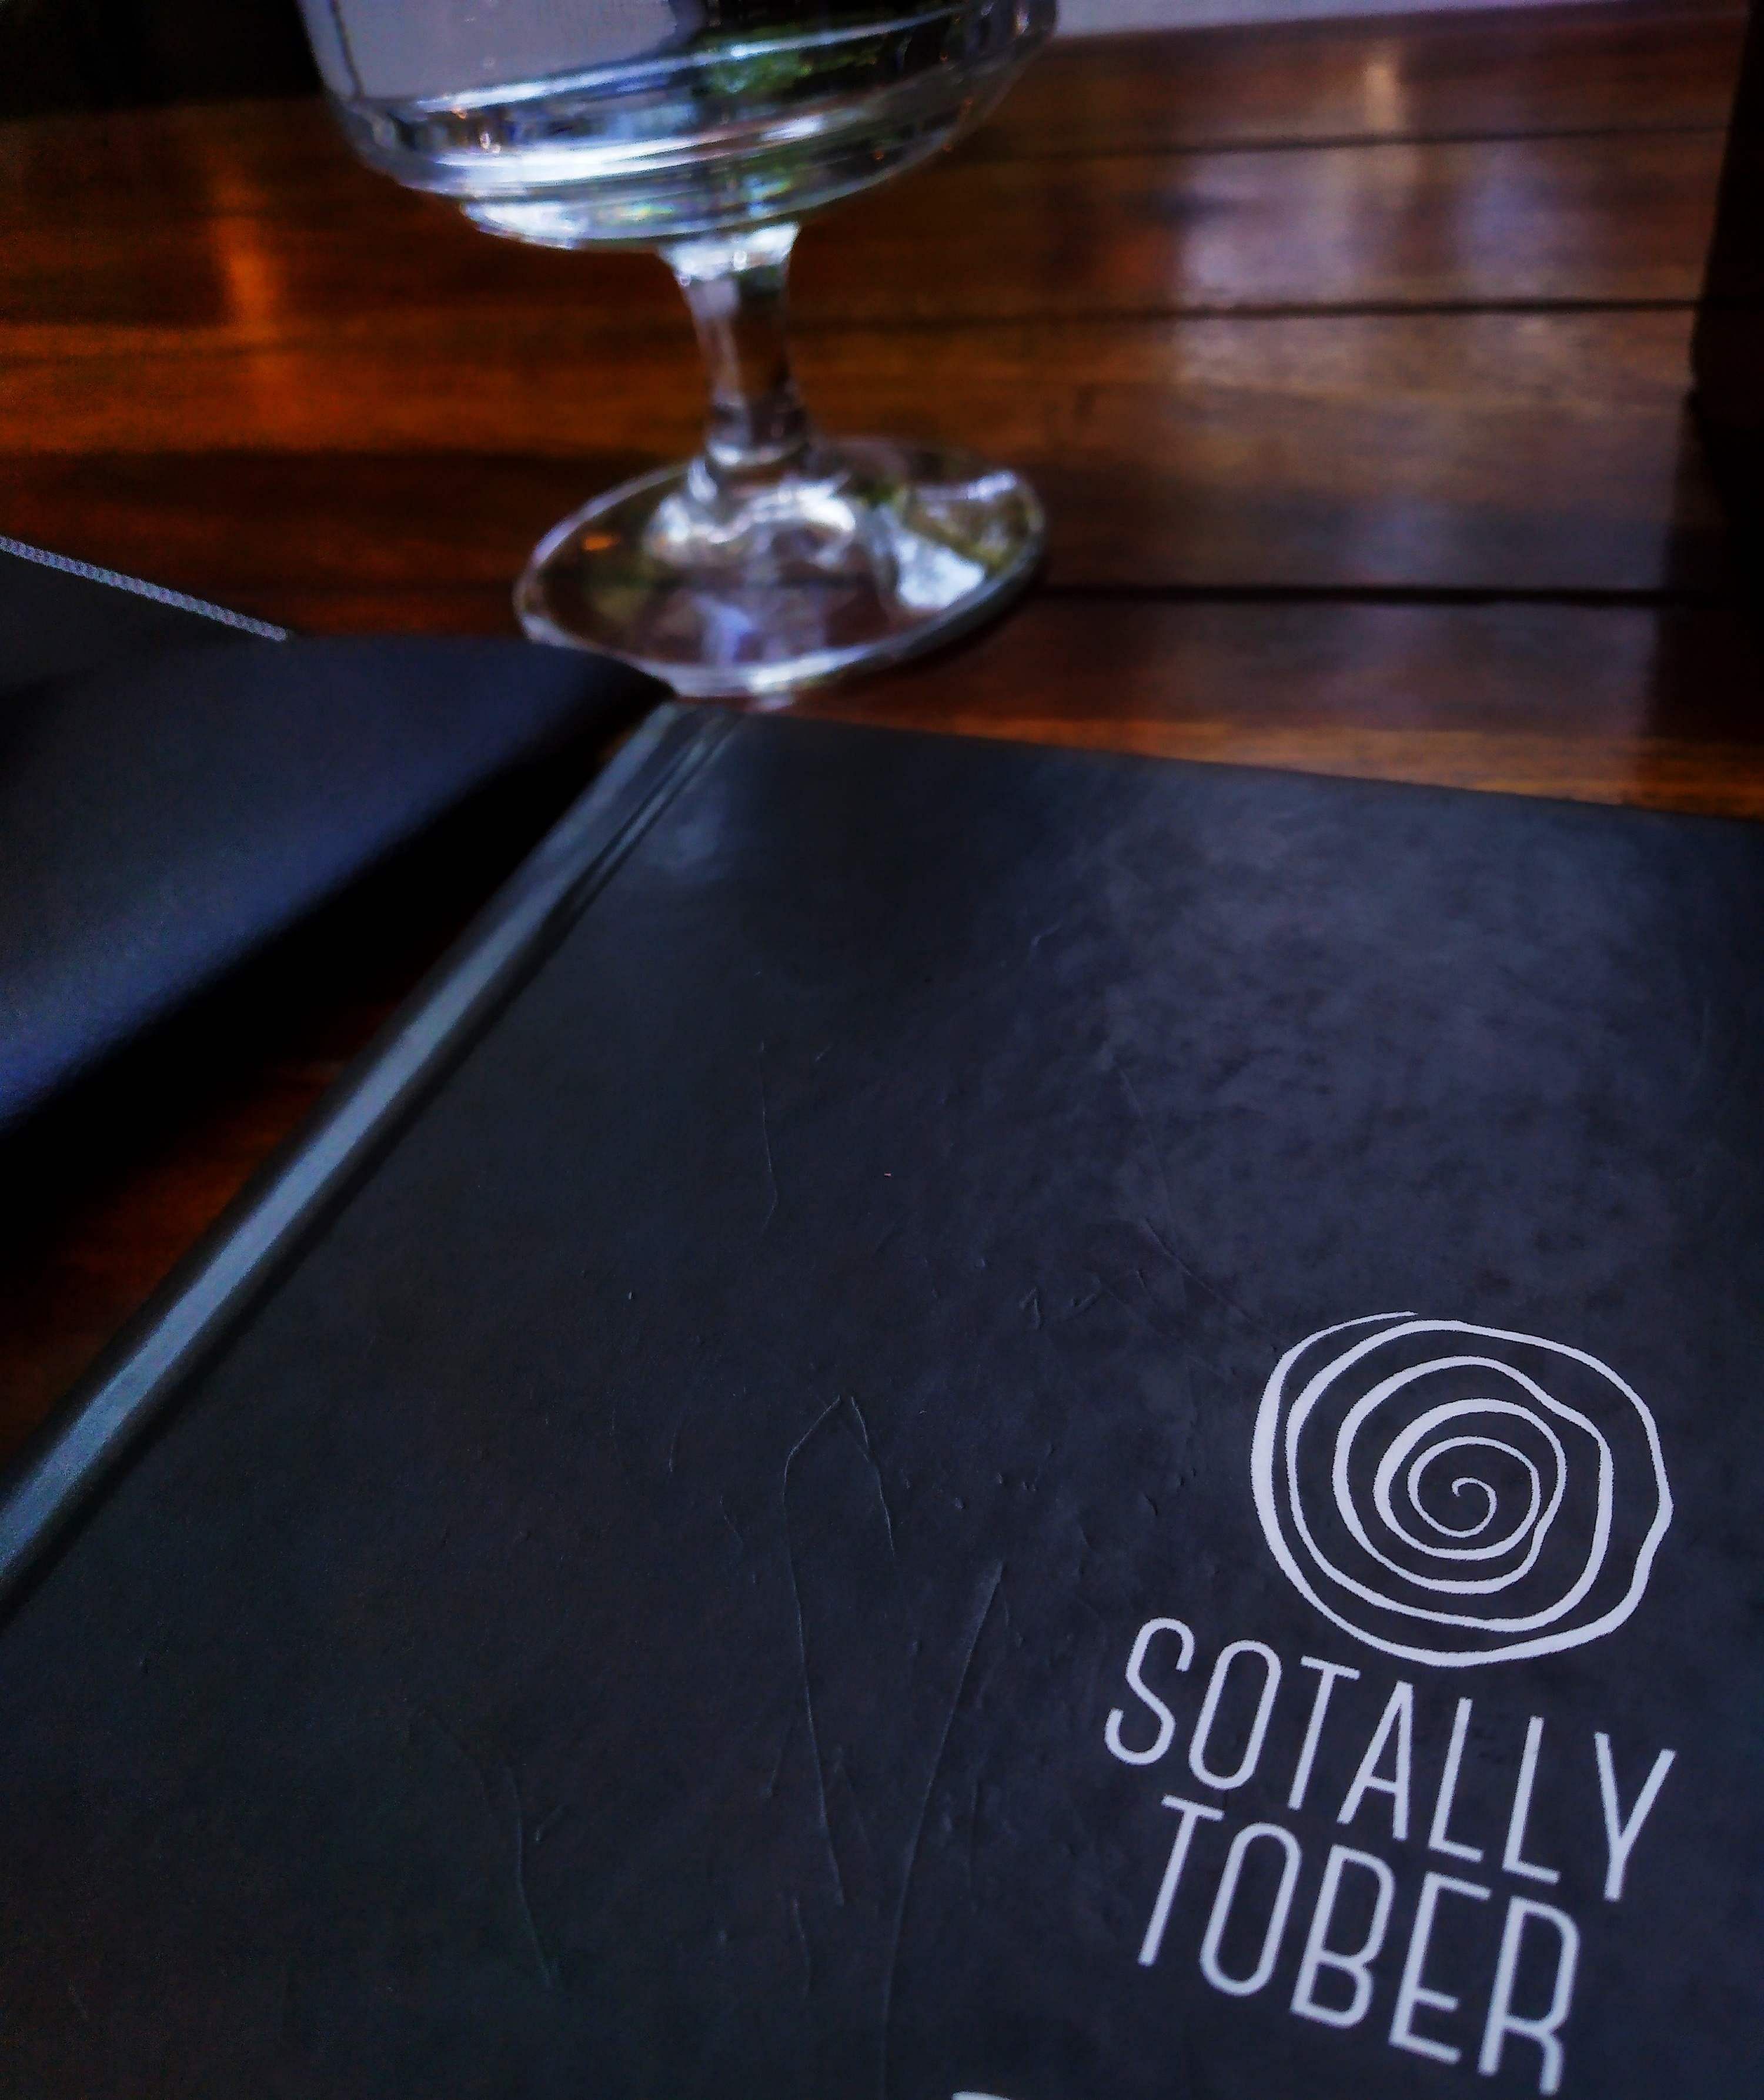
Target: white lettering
x=1166, y=1720
x=1246, y=1987
x=1503, y=2020
x=1326, y=1673
x=1271, y=1683
x=1512, y=1859
x=1620, y=1836
x=1348, y=1944
x=1398, y=1721
x=1412, y=1991
x=1319, y=1954
x=1190, y=1813
x=1437, y=1839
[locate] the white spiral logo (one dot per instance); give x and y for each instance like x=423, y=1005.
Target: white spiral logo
x=1458, y=1495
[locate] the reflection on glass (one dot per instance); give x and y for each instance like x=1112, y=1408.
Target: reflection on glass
x=706, y=129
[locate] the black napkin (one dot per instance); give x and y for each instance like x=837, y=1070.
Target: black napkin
x=176, y=788
x=59, y=616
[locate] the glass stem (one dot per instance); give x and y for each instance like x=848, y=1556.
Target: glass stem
x=758, y=433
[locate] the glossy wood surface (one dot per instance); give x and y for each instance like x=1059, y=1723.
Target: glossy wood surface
x=1350, y=358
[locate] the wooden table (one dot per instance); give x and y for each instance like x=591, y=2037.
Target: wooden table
x=1350, y=358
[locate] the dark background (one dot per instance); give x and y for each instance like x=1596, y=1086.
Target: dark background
x=1730, y=336
x=113, y=54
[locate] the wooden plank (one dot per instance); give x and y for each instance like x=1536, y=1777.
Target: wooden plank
x=1480, y=452
x=1519, y=73
x=1625, y=217
x=1619, y=218
x=1648, y=707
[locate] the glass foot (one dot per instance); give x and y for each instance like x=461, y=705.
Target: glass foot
x=866, y=551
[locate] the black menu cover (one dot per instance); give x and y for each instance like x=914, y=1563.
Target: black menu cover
x=954, y=1420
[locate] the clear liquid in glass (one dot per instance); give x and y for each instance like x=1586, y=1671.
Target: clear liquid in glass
x=576, y=122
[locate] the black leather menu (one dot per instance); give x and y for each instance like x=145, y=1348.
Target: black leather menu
x=955, y=1420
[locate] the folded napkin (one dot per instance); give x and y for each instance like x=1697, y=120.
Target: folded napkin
x=177, y=786
x=59, y=616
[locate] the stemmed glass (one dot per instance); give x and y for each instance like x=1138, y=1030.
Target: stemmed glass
x=706, y=130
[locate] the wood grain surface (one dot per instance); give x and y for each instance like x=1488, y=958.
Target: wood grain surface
x=1350, y=359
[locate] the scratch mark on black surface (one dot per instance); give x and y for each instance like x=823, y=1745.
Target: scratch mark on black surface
x=1080, y=1306
x=765, y=1132
x=547, y=1972
x=673, y=1443
x=853, y=1801
x=832, y=1408
x=1186, y=1268
x=1145, y=1308
x=1205, y=1283
x=1031, y=1305
x=882, y=1493
x=79, y=2004
x=802, y=1941
x=777, y=1764
x=918, y=1824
